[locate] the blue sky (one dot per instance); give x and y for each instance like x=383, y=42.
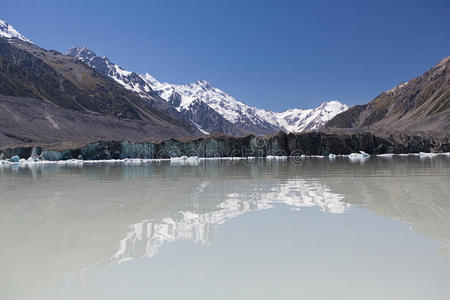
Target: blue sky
x=270, y=54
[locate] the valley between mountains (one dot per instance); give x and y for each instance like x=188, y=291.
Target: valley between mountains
x=53, y=100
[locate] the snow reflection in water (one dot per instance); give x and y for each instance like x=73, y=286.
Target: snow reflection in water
x=147, y=236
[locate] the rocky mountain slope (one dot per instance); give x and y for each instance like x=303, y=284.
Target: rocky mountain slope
x=422, y=103
x=73, y=89
x=34, y=121
x=210, y=108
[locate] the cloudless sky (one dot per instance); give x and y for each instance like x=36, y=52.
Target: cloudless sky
x=270, y=54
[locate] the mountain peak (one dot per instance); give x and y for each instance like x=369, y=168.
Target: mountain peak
x=83, y=53
x=202, y=83
x=333, y=104
x=9, y=32
x=150, y=79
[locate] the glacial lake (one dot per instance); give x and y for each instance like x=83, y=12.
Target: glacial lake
x=309, y=228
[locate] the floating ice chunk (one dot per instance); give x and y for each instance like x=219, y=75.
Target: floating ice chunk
x=15, y=158
x=386, y=155
x=270, y=157
x=426, y=155
x=184, y=161
x=184, y=158
x=181, y=158
x=360, y=155
x=364, y=154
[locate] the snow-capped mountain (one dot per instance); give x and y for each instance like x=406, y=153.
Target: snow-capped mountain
x=297, y=120
x=183, y=97
x=293, y=120
x=211, y=109
x=9, y=32
x=205, y=106
x=127, y=79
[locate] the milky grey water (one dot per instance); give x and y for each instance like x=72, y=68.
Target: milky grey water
x=263, y=229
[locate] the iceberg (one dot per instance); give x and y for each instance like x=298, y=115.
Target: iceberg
x=184, y=161
x=276, y=157
x=364, y=154
x=386, y=155
x=426, y=155
x=361, y=156
x=33, y=159
x=15, y=159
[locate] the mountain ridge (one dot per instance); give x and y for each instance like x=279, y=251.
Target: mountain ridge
x=73, y=94
x=196, y=100
x=62, y=94
x=200, y=104
x=420, y=104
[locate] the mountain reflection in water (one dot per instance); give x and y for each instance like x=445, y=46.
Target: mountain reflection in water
x=59, y=222
x=239, y=197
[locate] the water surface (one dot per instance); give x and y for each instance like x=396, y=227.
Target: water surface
x=312, y=228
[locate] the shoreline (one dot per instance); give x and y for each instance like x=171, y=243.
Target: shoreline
x=220, y=146
x=193, y=160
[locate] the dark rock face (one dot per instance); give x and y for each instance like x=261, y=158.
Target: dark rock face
x=259, y=146
x=210, y=120
x=175, y=99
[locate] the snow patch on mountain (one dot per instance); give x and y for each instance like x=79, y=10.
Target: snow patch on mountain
x=7, y=31
x=231, y=109
x=209, y=108
x=127, y=79
x=397, y=87
x=297, y=120
x=292, y=120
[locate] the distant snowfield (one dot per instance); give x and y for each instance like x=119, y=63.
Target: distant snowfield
x=292, y=120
